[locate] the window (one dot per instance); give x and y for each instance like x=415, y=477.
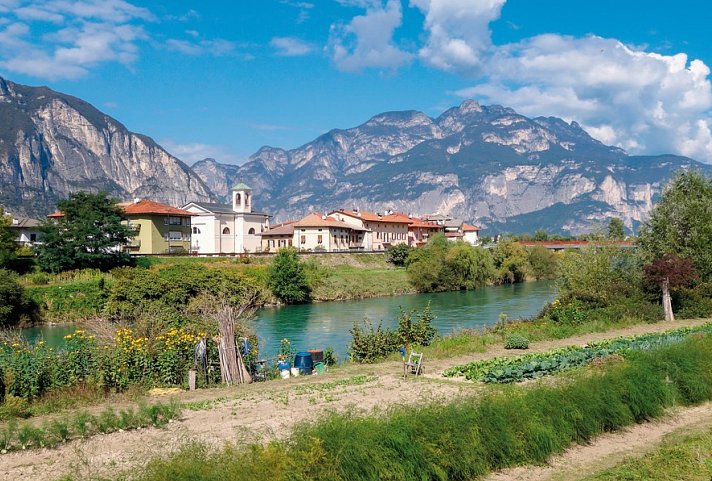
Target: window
x=251, y=231
x=304, y=239
x=238, y=199
x=166, y=220
x=290, y=242
x=196, y=230
x=319, y=239
x=175, y=235
x=33, y=237
x=226, y=231
x=175, y=220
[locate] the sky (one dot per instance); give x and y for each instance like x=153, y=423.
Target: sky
x=222, y=78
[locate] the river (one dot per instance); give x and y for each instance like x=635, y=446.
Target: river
x=325, y=324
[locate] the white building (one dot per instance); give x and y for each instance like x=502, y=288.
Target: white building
x=27, y=231
x=227, y=229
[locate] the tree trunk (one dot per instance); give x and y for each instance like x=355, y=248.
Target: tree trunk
x=667, y=300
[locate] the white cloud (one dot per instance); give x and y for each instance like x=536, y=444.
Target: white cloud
x=367, y=40
x=193, y=152
x=458, y=31
x=291, y=46
x=215, y=47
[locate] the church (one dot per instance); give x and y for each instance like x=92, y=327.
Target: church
x=227, y=229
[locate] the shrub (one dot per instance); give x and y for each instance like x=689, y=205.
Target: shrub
x=287, y=279
x=368, y=345
x=421, y=332
x=516, y=341
x=543, y=263
x=398, y=254
x=15, y=306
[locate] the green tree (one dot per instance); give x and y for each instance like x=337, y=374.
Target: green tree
x=15, y=306
x=616, y=229
x=287, y=279
x=543, y=263
x=398, y=254
x=466, y=267
x=511, y=262
x=541, y=235
x=681, y=223
x=7, y=239
x=89, y=235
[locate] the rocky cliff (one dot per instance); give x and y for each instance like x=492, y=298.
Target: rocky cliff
x=488, y=165
x=53, y=144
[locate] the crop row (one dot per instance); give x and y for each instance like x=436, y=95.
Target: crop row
x=534, y=365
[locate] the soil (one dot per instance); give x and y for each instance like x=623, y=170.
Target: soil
x=263, y=411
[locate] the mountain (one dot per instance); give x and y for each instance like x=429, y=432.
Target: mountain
x=486, y=164
x=52, y=144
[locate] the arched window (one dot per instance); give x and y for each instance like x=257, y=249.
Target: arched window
x=251, y=231
x=238, y=199
x=226, y=231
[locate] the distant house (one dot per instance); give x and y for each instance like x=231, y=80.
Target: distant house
x=455, y=229
x=421, y=230
x=471, y=234
x=228, y=229
x=158, y=228
x=383, y=230
x=26, y=230
x=314, y=233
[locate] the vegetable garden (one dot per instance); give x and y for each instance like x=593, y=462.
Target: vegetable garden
x=529, y=366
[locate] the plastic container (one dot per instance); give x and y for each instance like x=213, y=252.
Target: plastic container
x=284, y=373
x=295, y=371
x=304, y=362
x=317, y=355
x=320, y=368
x=283, y=365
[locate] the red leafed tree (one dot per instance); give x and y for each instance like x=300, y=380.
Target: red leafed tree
x=670, y=271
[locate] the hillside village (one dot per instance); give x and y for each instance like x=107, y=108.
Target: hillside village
x=202, y=228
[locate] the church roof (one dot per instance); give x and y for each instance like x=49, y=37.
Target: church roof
x=241, y=186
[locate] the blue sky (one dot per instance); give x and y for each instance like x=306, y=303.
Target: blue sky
x=223, y=78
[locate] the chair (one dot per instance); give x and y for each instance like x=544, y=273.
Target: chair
x=414, y=365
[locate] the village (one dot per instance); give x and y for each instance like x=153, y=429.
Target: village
x=200, y=228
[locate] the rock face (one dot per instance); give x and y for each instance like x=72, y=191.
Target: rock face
x=488, y=165
x=53, y=144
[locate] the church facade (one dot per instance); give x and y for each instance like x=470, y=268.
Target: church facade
x=227, y=228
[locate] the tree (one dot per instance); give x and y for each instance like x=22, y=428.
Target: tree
x=541, y=235
x=15, y=306
x=616, y=229
x=466, y=267
x=543, y=263
x=668, y=272
x=287, y=279
x=681, y=223
x=398, y=254
x=511, y=262
x=8, y=247
x=89, y=235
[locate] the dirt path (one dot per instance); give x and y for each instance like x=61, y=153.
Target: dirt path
x=267, y=410
x=610, y=449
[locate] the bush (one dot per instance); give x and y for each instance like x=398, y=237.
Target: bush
x=15, y=306
x=421, y=332
x=516, y=341
x=398, y=254
x=287, y=279
x=543, y=263
x=511, y=262
x=369, y=345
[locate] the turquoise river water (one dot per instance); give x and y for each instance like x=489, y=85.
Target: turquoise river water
x=319, y=325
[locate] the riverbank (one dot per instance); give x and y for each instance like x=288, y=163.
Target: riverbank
x=77, y=295
x=268, y=411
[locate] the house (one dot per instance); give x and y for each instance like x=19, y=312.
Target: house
x=381, y=230
x=455, y=229
x=316, y=232
x=158, y=228
x=420, y=231
x=228, y=229
x=26, y=230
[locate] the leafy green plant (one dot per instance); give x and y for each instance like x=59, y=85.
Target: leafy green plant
x=516, y=341
x=287, y=279
x=369, y=344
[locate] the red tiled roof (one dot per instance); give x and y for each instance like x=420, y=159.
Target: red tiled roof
x=469, y=228
x=285, y=228
x=142, y=207
x=575, y=243
x=371, y=217
x=423, y=224
x=317, y=220
x=453, y=234
x=145, y=206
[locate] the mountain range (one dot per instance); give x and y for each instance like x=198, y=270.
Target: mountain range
x=486, y=164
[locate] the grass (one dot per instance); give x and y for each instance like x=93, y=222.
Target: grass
x=681, y=456
x=464, y=439
x=349, y=282
x=14, y=436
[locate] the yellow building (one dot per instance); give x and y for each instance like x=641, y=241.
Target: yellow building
x=158, y=228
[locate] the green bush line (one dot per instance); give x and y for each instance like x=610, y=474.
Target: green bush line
x=463, y=439
x=515, y=369
x=14, y=436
